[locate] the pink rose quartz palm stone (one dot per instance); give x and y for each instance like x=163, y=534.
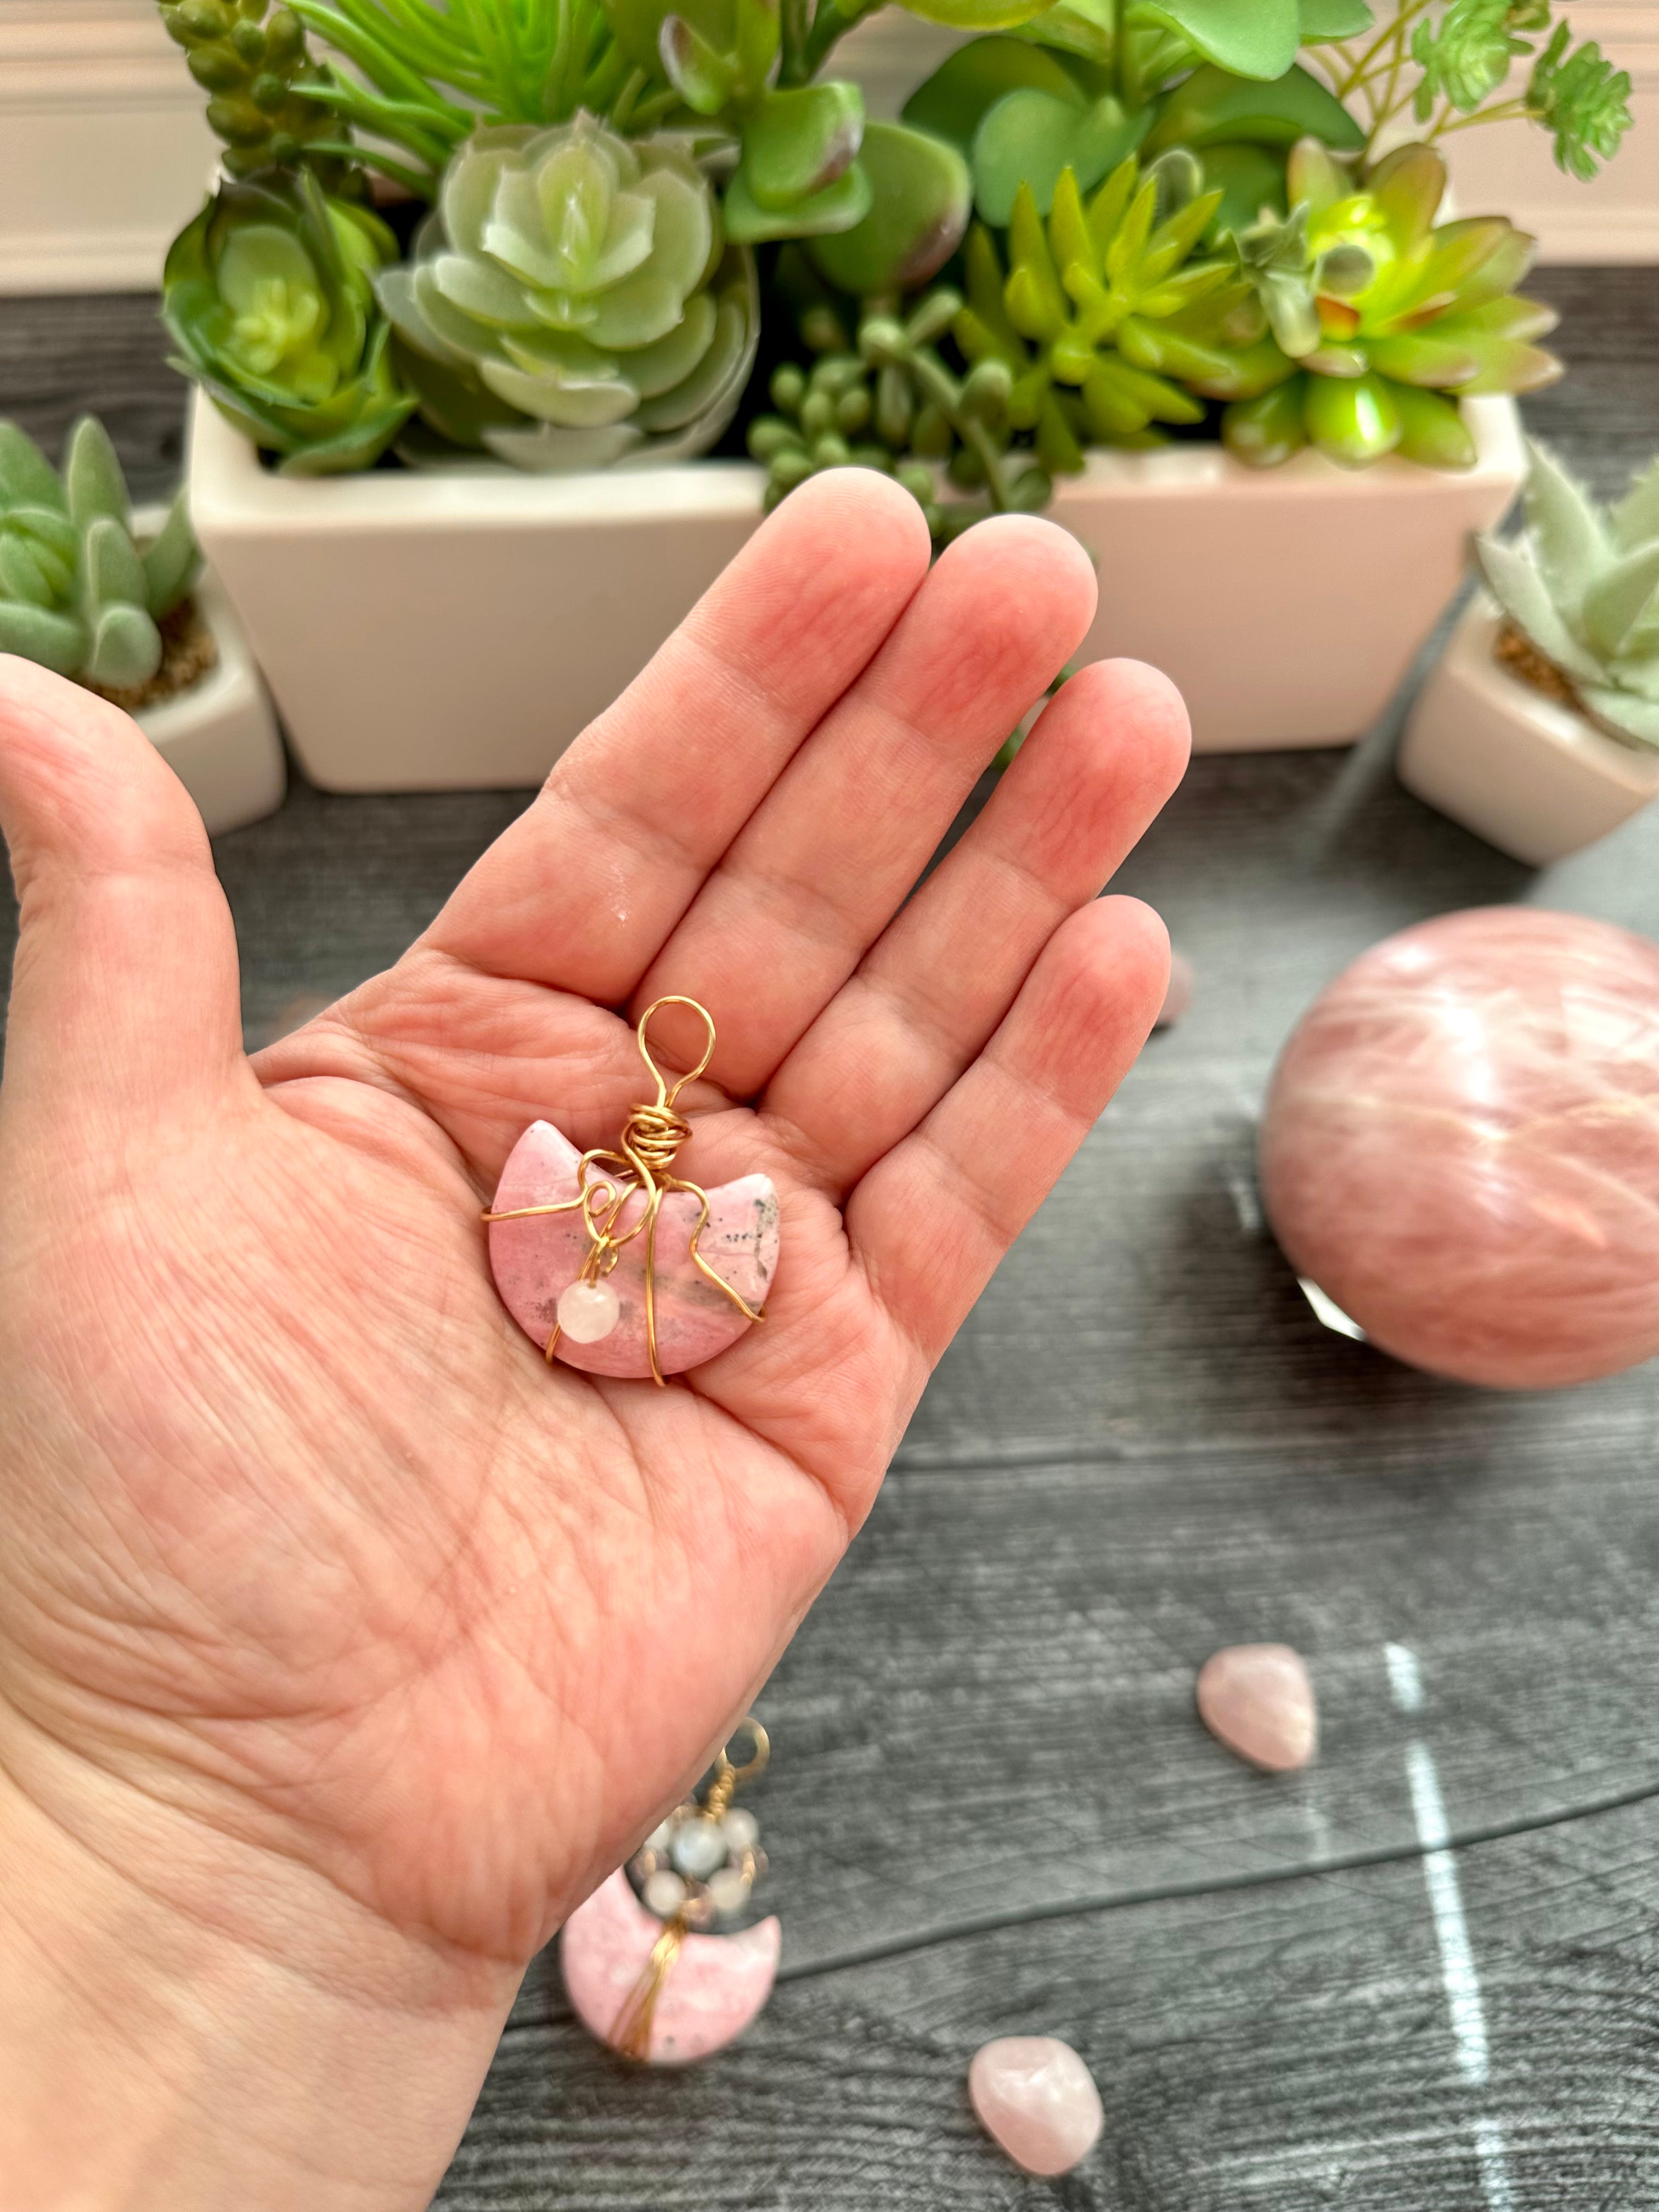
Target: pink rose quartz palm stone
x=1460, y=1147
x=1256, y=1698
x=1037, y=2100
x=717, y=1985
x=534, y=1261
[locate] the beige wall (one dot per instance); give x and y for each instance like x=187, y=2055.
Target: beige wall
x=106, y=150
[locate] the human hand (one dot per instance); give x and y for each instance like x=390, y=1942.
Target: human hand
x=344, y=1645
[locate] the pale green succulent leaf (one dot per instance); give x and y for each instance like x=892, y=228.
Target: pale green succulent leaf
x=1408, y=185
x=1424, y=358
x=1568, y=540
x=1615, y=601
x=58, y=642
x=580, y=399
x=1334, y=19
x=1635, y=520
x=23, y=576
x=976, y=15
x=713, y=384
x=1521, y=591
x=1214, y=108
x=837, y=207
x=951, y=103
x=655, y=370
x=1353, y=420
x=26, y=477
x=1432, y=431
x=1314, y=175
x=1507, y=366
x=92, y=476
x=126, y=649
x=922, y=199
x=1031, y=136
x=549, y=448
x=173, y=560
x=112, y=570
x=1266, y=429
x=797, y=142
x=1634, y=718
x=476, y=288
x=1259, y=40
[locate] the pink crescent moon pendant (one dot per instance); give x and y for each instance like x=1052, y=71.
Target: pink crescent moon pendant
x=718, y=1986
x=612, y=1263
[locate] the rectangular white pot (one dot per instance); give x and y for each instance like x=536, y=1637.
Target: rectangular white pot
x=425, y=632
x=220, y=738
x=1526, y=773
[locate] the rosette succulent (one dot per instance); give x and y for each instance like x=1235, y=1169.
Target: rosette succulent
x=1090, y=315
x=571, y=302
x=268, y=295
x=1581, y=585
x=77, y=594
x=1381, y=319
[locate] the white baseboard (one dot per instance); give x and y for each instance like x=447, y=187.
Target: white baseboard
x=106, y=147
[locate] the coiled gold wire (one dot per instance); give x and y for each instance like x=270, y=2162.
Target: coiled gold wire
x=643, y=1161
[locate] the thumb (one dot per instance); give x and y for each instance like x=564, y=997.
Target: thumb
x=125, y=988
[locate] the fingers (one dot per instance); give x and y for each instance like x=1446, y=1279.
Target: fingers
x=583, y=889
x=124, y=989
x=930, y=1222
x=1100, y=763
x=839, y=842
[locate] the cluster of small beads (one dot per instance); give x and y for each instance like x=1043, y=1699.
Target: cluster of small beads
x=700, y=1867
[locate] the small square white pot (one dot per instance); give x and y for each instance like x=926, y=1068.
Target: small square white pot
x=220, y=738
x=426, y=632
x=1526, y=773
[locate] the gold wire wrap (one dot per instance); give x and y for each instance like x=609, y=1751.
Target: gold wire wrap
x=642, y=1161
x=630, y=2032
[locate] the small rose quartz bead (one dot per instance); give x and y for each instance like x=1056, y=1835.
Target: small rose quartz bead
x=1037, y=2100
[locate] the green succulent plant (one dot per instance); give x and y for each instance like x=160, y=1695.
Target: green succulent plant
x=77, y=594
x=1101, y=308
x=422, y=75
x=1581, y=585
x=889, y=400
x=571, y=302
x=251, y=64
x=1390, y=320
x=268, y=295
x=1023, y=112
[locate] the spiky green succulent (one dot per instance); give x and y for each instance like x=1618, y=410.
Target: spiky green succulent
x=77, y=593
x=571, y=302
x=889, y=400
x=268, y=295
x=1387, y=322
x=1581, y=585
x=250, y=63
x=1099, y=309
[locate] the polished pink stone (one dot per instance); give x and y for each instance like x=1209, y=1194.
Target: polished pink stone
x=1256, y=1698
x=1037, y=2099
x=717, y=1985
x=533, y=1260
x=1460, y=1147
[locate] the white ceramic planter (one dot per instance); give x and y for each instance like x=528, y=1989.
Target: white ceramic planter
x=1524, y=772
x=427, y=632
x=220, y=738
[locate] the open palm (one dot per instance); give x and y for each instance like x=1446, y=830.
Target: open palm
x=307, y=1543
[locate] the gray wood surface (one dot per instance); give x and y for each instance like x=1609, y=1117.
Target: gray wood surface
x=991, y=1810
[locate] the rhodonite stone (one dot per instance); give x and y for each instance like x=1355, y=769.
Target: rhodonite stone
x=1037, y=2100
x=536, y=1260
x=716, y=1986
x=1256, y=1698
x=1460, y=1147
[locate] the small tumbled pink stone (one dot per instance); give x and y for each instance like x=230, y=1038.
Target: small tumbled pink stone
x=1257, y=1699
x=1037, y=2100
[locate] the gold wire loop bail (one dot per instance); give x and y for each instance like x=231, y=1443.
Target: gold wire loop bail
x=729, y=1777
x=665, y=1096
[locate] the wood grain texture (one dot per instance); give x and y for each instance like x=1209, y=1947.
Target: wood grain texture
x=992, y=1809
